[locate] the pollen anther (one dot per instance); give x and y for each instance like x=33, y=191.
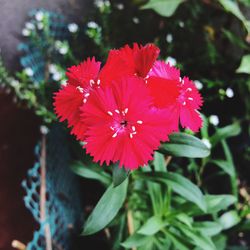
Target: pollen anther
x=110, y=113
x=80, y=89
x=139, y=122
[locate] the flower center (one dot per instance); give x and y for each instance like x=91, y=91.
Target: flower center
x=124, y=123
x=121, y=125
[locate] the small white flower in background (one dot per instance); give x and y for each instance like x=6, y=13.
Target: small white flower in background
x=44, y=130
x=99, y=3
x=63, y=50
x=14, y=83
x=214, y=119
x=171, y=61
x=57, y=76
x=29, y=72
x=62, y=47
x=26, y=32
x=181, y=24
x=120, y=6
x=52, y=68
x=229, y=93
x=58, y=44
x=73, y=27
x=92, y=25
x=169, y=38
x=198, y=84
x=40, y=26
x=207, y=142
x=39, y=16
x=136, y=20
x=29, y=26
x=64, y=82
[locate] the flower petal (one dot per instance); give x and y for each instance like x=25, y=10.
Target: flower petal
x=81, y=74
x=67, y=105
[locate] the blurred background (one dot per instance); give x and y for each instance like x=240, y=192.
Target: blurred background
x=209, y=40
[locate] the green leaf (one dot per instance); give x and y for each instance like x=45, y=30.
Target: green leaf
x=220, y=241
x=226, y=132
x=178, y=184
x=184, y=218
x=225, y=166
x=229, y=219
x=244, y=65
x=202, y=241
x=106, y=208
x=159, y=162
x=233, y=7
x=91, y=172
x=152, y=226
x=177, y=241
x=184, y=145
x=234, y=39
x=163, y=7
x=136, y=240
x=217, y=203
x=209, y=228
x=119, y=175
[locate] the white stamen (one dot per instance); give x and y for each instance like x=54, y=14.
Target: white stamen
x=133, y=128
x=112, y=128
x=117, y=111
x=184, y=103
x=98, y=82
x=114, y=135
x=180, y=79
x=92, y=82
x=87, y=94
x=190, y=98
x=80, y=89
x=146, y=81
x=189, y=89
x=126, y=110
x=139, y=122
x=84, y=100
x=110, y=113
x=123, y=113
x=131, y=135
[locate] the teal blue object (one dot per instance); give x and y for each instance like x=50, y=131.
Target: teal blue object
x=40, y=48
x=63, y=204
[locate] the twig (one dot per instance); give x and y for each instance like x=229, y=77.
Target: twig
x=43, y=195
x=167, y=160
x=18, y=245
x=130, y=224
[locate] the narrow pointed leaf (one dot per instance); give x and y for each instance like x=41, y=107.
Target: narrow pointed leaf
x=178, y=184
x=119, y=175
x=106, y=208
x=184, y=145
x=91, y=172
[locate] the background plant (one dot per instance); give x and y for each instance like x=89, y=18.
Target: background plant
x=158, y=208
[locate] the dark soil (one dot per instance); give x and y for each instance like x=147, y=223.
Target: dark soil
x=18, y=135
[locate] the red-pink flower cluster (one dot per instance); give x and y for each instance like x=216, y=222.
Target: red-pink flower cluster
x=126, y=109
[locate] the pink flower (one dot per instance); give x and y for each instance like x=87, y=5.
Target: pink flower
x=137, y=60
x=182, y=104
x=81, y=79
x=121, y=126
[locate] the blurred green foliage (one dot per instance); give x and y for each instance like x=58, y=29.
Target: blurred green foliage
x=186, y=198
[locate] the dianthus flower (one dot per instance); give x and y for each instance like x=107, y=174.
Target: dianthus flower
x=124, y=110
x=121, y=126
x=181, y=104
x=82, y=80
x=137, y=60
